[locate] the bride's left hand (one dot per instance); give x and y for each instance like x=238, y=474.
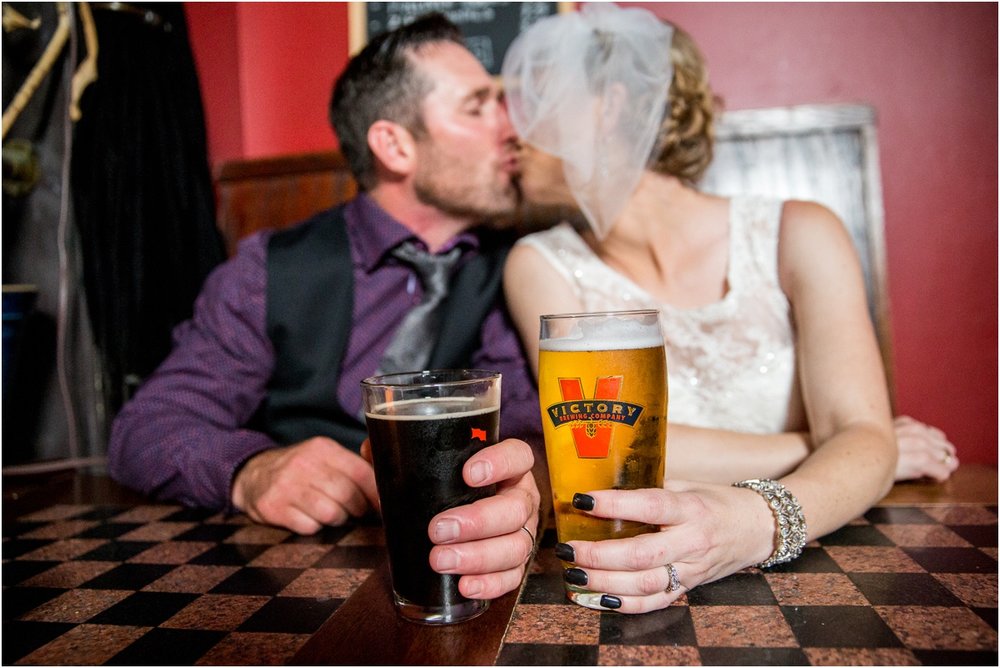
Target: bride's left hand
x=707, y=532
x=924, y=451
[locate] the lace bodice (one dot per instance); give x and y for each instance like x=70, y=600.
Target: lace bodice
x=731, y=364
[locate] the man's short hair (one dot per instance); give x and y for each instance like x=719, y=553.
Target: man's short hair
x=381, y=83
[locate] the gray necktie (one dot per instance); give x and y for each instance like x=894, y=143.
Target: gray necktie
x=411, y=348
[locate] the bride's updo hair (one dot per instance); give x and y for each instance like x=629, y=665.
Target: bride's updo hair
x=685, y=141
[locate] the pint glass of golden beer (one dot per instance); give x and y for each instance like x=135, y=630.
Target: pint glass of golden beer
x=602, y=383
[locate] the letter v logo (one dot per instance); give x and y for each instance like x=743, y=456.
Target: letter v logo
x=592, y=440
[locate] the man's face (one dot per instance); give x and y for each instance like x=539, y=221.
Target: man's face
x=467, y=158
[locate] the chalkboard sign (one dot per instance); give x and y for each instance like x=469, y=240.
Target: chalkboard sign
x=488, y=27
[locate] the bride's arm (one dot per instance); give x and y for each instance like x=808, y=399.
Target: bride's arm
x=723, y=457
x=713, y=455
x=840, y=369
x=533, y=287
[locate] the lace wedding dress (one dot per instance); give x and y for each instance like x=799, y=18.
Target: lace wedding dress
x=730, y=364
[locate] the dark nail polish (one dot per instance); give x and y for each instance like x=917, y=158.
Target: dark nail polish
x=583, y=502
x=610, y=602
x=565, y=552
x=575, y=576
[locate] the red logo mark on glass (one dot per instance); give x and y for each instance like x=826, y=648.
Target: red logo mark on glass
x=592, y=440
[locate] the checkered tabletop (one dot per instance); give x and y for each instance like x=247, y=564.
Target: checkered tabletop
x=900, y=586
x=165, y=585
x=158, y=584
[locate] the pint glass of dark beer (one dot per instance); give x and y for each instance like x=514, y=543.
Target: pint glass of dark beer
x=423, y=426
x=602, y=385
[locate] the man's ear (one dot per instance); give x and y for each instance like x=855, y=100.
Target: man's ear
x=393, y=146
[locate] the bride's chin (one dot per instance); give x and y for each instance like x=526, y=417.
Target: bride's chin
x=545, y=194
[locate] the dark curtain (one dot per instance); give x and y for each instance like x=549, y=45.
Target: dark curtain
x=35, y=424
x=142, y=191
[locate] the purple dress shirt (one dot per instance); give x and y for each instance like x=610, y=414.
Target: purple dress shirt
x=182, y=436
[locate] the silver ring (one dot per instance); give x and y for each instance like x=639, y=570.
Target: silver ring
x=947, y=458
x=675, y=581
x=527, y=531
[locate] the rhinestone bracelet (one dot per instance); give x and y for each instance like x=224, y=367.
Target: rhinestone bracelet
x=790, y=523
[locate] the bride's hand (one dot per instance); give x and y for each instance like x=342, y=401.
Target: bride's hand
x=924, y=451
x=707, y=532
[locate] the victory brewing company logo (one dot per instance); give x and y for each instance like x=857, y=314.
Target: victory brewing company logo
x=593, y=420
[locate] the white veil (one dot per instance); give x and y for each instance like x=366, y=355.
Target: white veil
x=591, y=88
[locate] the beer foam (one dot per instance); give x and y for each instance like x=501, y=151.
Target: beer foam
x=608, y=333
x=430, y=408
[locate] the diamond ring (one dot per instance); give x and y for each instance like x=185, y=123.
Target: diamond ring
x=675, y=582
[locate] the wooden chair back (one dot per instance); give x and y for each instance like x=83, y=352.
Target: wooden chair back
x=275, y=192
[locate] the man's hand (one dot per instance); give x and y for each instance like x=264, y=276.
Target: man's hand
x=489, y=541
x=305, y=486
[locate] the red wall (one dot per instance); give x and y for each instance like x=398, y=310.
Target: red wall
x=267, y=71
x=930, y=70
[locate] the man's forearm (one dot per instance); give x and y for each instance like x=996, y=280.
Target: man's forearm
x=179, y=458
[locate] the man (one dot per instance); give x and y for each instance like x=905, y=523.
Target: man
x=258, y=407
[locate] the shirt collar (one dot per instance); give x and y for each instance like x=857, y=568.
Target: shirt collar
x=375, y=232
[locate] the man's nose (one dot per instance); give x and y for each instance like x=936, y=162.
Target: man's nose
x=506, y=128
